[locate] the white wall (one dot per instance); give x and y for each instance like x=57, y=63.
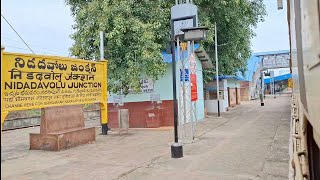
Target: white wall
x=211, y=106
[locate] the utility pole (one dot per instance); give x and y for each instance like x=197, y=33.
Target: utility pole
x=101, y=46
x=262, y=88
x=217, y=67
x=273, y=82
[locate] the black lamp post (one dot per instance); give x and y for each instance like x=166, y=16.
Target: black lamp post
x=191, y=34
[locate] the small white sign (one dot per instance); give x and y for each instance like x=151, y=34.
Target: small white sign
x=155, y=97
x=193, y=64
x=147, y=86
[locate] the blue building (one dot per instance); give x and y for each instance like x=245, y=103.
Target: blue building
x=153, y=106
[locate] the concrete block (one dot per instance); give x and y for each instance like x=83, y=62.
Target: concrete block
x=62, y=127
x=62, y=140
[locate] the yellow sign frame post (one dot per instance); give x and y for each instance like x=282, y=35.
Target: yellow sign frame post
x=37, y=81
x=4, y=114
x=104, y=103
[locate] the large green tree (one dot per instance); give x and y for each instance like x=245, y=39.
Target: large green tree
x=135, y=33
x=236, y=20
x=137, y=30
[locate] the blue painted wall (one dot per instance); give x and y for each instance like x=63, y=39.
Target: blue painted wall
x=163, y=86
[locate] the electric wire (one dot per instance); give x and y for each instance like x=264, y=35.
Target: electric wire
x=17, y=33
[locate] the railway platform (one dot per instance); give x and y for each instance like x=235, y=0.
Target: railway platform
x=247, y=142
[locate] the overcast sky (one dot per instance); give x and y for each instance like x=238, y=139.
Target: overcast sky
x=46, y=26
x=272, y=34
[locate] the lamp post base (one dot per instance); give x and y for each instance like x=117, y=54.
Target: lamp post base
x=176, y=150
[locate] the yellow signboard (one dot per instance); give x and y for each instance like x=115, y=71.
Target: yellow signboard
x=183, y=46
x=33, y=82
x=290, y=84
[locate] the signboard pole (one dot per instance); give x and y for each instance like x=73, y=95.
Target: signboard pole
x=190, y=51
x=194, y=105
x=183, y=48
x=104, y=104
x=3, y=113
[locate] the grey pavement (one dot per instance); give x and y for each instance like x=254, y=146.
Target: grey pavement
x=247, y=142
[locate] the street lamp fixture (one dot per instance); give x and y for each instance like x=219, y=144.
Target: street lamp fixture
x=195, y=33
x=190, y=34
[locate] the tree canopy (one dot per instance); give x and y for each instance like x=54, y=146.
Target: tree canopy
x=137, y=30
x=236, y=20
